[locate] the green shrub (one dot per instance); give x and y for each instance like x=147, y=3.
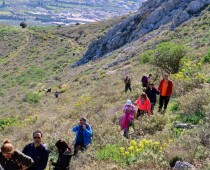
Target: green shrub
x=194, y=101
x=33, y=97
x=193, y=118
x=147, y=56
x=206, y=58
x=4, y=122
x=168, y=56
x=208, y=80
x=176, y=132
x=110, y=152
x=152, y=124
x=189, y=76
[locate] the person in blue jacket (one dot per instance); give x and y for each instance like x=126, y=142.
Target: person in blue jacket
x=37, y=151
x=83, y=135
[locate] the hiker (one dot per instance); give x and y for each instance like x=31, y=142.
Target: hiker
x=12, y=159
x=83, y=135
x=64, y=157
x=143, y=104
x=152, y=92
x=48, y=90
x=37, y=151
x=127, y=82
x=165, y=88
x=145, y=80
x=127, y=119
x=56, y=94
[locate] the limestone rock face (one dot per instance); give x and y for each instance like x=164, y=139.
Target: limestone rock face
x=151, y=15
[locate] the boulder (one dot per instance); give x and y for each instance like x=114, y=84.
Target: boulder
x=195, y=7
x=179, y=19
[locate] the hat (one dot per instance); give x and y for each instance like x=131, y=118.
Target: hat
x=128, y=102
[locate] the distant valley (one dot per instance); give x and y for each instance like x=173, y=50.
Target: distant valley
x=63, y=12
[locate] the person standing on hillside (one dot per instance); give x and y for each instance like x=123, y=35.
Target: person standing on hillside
x=37, y=151
x=83, y=135
x=127, y=119
x=127, y=82
x=165, y=88
x=152, y=93
x=143, y=104
x=11, y=159
x=145, y=80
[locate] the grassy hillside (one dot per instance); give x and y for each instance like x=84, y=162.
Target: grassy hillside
x=35, y=59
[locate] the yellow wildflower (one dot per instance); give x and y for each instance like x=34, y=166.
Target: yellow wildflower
x=131, y=148
x=122, y=150
x=133, y=143
x=127, y=153
x=170, y=140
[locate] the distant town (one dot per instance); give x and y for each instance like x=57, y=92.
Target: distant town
x=63, y=12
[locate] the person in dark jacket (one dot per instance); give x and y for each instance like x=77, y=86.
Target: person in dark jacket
x=83, y=135
x=56, y=94
x=127, y=82
x=37, y=151
x=152, y=93
x=165, y=88
x=64, y=158
x=11, y=159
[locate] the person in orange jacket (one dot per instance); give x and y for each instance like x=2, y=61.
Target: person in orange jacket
x=144, y=106
x=165, y=89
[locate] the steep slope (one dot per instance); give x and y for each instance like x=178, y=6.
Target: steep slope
x=150, y=16
x=96, y=91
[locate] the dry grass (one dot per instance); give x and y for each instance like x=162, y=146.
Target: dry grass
x=91, y=90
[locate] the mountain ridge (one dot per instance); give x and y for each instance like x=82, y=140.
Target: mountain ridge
x=151, y=16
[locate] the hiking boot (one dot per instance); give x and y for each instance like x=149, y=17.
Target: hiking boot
x=159, y=110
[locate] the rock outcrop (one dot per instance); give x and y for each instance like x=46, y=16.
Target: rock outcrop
x=151, y=15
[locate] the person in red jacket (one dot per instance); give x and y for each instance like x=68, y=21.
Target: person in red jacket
x=144, y=106
x=165, y=89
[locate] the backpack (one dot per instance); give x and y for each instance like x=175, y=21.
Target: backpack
x=144, y=80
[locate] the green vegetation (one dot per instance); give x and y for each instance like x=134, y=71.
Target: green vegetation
x=5, y=30
x=167, y=56
x=16, y=121
x=36, y=59
x=206, y=57
x=31, y=75
x=193, y=118
x=33, y=97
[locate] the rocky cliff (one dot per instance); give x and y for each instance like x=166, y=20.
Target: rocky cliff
x=150, y=16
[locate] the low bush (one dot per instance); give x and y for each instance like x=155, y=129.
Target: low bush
x=146, y=57
x=33, y=97
x=150, y=125
x=206, y=57
x=192, y=118
x=194, y=102
x=188, y=77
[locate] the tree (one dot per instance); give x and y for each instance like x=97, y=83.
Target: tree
x=168, y=56
x=23, y=24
